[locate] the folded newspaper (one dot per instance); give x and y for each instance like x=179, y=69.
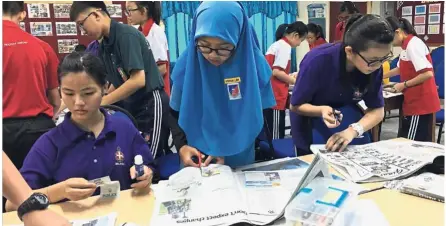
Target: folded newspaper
x=381, y=161
x=426, y=185
x=107, y=220
x=216, y=195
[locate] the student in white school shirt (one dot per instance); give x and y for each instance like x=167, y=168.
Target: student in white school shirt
x=147, y=15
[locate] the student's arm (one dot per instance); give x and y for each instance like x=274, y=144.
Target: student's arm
x=162, y=68
x=178, y=135
x=417, y=52
x=281, y=59
x=111, y=89
x=52, y=92
x=419, y=79
x=284, y=77
x=54, y=99
x=391, y=73
x=133, y=65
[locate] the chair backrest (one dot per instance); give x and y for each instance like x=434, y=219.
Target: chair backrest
x=437, y=56
x=394, y=64
x=120, y=112
x=351, y=114
x=439, y=78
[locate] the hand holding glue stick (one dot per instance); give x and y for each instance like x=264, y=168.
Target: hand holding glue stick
x=141, y=173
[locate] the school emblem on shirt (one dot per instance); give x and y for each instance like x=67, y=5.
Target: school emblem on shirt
x=234, y=91
x=119, y=156
x=357, y=95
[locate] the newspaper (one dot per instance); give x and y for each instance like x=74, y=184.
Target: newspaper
x=381, y=161
x=229, y=197
x=107, y=220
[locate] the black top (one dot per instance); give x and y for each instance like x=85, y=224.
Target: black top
x=124, y=50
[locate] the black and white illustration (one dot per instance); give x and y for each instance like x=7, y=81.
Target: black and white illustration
x=38, y=10
x=115, y=10
x=176, y=209
x=66, y=29
x=66, y=45
x=41, y=28
x=62, y=10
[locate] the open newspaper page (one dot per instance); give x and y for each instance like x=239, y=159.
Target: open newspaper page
x=193, y=196
x=107, y=220
x=381, y=161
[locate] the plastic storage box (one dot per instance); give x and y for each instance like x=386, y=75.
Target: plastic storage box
x=317, y=204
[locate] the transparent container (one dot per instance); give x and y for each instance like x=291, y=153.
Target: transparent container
x=318, y=203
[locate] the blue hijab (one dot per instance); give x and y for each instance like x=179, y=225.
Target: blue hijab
x=220, y=114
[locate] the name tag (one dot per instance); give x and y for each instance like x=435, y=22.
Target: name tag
x=232, y=80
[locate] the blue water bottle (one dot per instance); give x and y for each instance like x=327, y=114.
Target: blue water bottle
x=139, y=167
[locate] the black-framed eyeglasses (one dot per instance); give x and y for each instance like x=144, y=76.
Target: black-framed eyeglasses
x=128, y=11
x=81, y=23
x=379, y=62
x=220, y=52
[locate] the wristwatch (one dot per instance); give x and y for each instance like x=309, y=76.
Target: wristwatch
x=358, y=128
x=36, y=201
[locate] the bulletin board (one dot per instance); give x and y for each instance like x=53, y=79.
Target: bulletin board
x=316, y=15
x=427, y=17
x=51, y=23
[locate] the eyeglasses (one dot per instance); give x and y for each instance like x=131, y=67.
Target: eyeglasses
x=220, y=52
x=81, y=23
x=375, y=63
x=127, y=12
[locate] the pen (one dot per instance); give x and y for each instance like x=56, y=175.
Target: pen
x=370, y=190
x=199, y=163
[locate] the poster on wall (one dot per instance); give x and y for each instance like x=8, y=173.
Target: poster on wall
x=62, y=10
x=115, y=10
x=420, y=9
x=406, y=11
x=420, y=29
x=434, y=19
x=409, y=18
x=419, y=20
x=41, y=28
x=67, y=45
x=435, y=8
x=66, y=29
x=22, y=26
x=433, y=29
x=38, y=10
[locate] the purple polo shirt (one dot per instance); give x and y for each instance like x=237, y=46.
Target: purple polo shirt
x=68, y=151
x=93, y=48
x=323, y=80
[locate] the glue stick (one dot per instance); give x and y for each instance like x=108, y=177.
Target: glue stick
x=139, y=167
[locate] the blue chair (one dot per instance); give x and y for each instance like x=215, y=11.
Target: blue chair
x=394, y=64
x=439, y=80
x=437, y=56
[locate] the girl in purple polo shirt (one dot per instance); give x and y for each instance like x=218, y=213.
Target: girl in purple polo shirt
x=89, y=143
x=335, y=75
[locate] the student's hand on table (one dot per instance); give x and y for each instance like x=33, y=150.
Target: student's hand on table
x=78, y=188
x=329, y=118
x=44, y=218
x=144, y=180
x=339, y=141
x=219, y=160
x=186, y=154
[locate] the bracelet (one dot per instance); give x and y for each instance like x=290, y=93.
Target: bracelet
x=405, y=84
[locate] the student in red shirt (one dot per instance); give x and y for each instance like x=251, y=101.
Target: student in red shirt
x=288, y=36
x=421, y=99
x=347, y=9
x=315, y=35
x=30, y=85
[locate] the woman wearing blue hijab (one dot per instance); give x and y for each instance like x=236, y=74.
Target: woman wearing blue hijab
x=221, y=84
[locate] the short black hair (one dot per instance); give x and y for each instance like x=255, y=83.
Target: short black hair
x=153, y=9
x=13, y=8
x=83, y=62
x=299, y=27
x=365, y=31
x=348, y=7
x=316, y=29
x=79, y=7
x=80, y=48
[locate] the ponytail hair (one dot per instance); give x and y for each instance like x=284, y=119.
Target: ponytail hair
x=316, y=29
x=401, y=23
x=153, y=9
x=298, y=27
x=365, y=31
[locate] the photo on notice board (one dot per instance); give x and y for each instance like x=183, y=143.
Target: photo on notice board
x=66, y=28
x=67, y=45
x=22, y=25
x=406, y=11
x=38, y=10
x=62, y=10
x=115, y=10
x=435, y=8
x=420, y=29
x=433, y=29
x=41, y=28
x=420, y=9
x=420, y=20
x=434, y=19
